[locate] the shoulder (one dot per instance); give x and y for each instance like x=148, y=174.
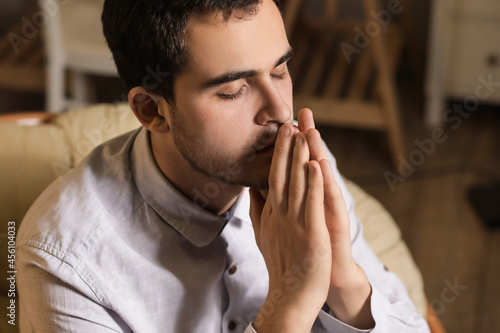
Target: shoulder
x=79, y=207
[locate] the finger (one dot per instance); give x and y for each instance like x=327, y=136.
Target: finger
x=314, y=203
x=334, y=199
x=256, y=206
x=280, y=168
x=298, y=176
x=316, y=145
x=306, y=120
x=337, y=217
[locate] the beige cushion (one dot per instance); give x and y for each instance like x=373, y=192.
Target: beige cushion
x=384, y=238
x=88, y=127
x=29, y=162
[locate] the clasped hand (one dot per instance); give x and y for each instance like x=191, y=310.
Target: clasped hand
x=302, y=229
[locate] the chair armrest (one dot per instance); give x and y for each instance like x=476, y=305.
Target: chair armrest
x=26, y=118
x=433, y=321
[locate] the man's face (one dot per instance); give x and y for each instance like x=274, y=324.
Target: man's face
x=234, y=95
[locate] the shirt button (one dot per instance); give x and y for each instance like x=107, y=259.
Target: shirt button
x=231, y=325
x=233, y=269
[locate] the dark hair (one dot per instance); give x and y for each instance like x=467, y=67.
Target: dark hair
x=146, y=37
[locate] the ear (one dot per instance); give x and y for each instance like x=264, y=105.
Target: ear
x=149, y=109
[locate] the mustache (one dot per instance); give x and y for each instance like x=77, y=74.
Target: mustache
x=268, y=137
x=265, y=139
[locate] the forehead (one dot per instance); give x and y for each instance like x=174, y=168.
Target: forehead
x=215, y=46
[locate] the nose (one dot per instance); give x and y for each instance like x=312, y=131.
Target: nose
x=274, y=108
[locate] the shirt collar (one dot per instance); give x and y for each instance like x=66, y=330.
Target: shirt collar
x=196, y=224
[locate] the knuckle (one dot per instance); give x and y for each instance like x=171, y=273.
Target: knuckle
x=312, y=134
x=280, y=149
x=295, y=189
x=275, y=180
x=300, y=156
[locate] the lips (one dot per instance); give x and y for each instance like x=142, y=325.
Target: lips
x=266, y=142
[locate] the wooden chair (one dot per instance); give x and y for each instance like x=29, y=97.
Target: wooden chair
x=74, y=42
x=57, y=56
x=356, y=90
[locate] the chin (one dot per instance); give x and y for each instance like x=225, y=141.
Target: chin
x=260, y=186
x=253, y=182
x=253, y=173
x=258, y=179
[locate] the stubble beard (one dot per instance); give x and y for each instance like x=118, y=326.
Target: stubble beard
x=220, y=166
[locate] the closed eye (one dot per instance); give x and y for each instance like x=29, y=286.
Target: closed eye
x=232, y=96
x=279, y=76
x=283, y=73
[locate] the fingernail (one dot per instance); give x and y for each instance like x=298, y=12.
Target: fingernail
x=285, y=131
x=299, y=141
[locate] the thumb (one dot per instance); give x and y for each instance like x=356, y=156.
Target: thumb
x=256, y=206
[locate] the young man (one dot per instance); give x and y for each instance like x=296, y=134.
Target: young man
x=156, y=230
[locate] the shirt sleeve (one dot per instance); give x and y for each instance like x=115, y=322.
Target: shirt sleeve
x=50, y=305
x=391, y=307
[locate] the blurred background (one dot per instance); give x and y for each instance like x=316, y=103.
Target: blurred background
x=405, y=93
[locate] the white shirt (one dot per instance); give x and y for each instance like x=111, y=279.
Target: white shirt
x=112, y=246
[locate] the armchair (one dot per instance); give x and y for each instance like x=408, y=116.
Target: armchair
x=31, y=157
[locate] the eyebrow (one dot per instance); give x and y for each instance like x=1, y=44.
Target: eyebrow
x=233, y=76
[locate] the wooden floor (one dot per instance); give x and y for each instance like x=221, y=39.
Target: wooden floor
x=449, y=242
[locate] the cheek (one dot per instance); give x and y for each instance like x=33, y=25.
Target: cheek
x=196, y=117
x=215, y=126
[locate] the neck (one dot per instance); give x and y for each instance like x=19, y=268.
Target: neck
x=209, y=193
